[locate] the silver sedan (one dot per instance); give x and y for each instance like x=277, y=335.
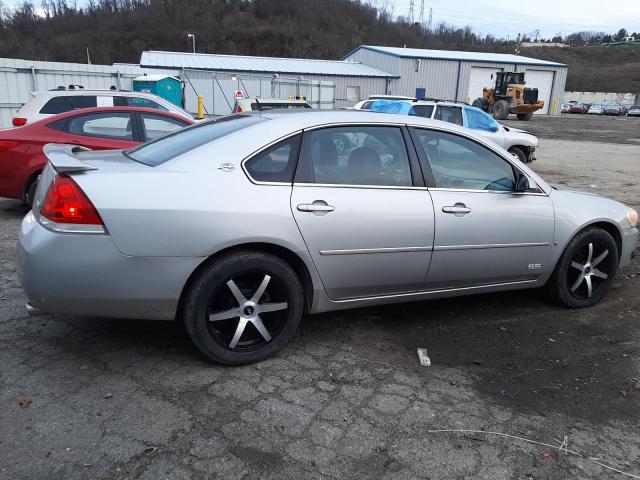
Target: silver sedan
x=239, y=226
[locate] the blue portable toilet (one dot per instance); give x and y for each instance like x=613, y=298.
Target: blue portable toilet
x=165, y=86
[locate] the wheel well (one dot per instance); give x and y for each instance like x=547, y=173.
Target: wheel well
x=293, y=260
x=32, y=178
x=612, y=230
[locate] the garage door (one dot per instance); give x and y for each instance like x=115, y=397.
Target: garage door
x=481, y=77
x=543, y=81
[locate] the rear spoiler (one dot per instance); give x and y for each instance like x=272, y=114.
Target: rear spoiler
x=63, y=157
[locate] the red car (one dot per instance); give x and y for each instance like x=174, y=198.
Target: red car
x=103, y=128
x=578, y=108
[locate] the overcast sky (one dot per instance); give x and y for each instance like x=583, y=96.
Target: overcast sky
x=502, y=18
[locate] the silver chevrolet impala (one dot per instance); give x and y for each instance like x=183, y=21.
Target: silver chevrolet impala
x=239, y=226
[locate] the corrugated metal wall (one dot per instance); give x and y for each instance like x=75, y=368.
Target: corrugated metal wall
x=18, y=78
x=368, y=86
x=322, y=91
x=386, y=63
x=448, y=79
x=437, y=77
x=218, y=89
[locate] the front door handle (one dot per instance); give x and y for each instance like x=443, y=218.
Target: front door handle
x=459, y=209
x=312, y=207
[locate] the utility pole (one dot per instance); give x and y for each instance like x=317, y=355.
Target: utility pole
x=412, y=8
x=193, y=41
x=430, y=22
x=518, y=45
x=422, y=13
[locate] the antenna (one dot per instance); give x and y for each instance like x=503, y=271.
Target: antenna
x=412, y=8
x=430, y=22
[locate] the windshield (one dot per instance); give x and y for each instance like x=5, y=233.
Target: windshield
x=170, y=146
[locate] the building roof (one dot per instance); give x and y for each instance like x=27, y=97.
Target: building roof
x=482, y=57
x=238, y=63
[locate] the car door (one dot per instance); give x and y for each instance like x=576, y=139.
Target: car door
x=485, y=231
x=154, y=125
x=364, y=213
x=101, y=130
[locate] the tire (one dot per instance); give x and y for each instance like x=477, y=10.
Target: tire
x=214, y=316
x=525, y=116
x=569, y=285
x=481, y=103
x=501, y=110
x=520, y=153
x=30, y=191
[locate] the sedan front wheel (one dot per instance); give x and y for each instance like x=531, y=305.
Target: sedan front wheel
x=243, y=308
x=586, y=269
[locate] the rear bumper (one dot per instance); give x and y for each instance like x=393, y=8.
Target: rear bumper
x=629, y=246
x=86, y=275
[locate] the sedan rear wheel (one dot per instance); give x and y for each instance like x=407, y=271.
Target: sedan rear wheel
x=243, y=308
x=586, y=269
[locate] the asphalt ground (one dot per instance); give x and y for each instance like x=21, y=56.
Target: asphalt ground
x=101, y=398
x=593, y=128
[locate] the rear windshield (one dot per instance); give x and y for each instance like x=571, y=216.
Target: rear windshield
x=170, y=146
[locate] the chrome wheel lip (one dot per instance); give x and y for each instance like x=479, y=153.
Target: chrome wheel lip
x=248, y=311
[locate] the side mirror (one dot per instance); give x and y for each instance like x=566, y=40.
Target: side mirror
x=522, y=184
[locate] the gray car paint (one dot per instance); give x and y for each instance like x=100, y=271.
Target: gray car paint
x=164, y=222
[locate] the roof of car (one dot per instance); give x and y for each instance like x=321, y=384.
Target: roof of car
x=307, y=118
x=83, y=111
x=89, y=91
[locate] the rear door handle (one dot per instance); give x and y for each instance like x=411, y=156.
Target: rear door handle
x=315, y=207
x=458, y=209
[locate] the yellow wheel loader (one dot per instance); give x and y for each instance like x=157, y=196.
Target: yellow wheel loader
x=509, y=96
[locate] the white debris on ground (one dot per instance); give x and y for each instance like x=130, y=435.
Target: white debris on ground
x=425, y=361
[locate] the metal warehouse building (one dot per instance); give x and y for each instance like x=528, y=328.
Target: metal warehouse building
x=461, y=76
x=324, y=83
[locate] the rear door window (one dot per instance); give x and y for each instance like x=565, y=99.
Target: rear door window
x=116, y=125
x=449, y=114
x=66, y=103
x=367, y=156
x=155, y=126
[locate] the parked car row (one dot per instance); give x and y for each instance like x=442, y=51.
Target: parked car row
x=518, y=142
x=611, y=109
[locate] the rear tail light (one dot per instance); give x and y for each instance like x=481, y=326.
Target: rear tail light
x=8, y=144
x=66, y=208
x=19, y=121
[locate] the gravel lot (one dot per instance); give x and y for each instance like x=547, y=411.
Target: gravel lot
x=347, y=398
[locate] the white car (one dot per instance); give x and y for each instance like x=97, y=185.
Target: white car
x=595, y=110
x=366, y=104
x=518, y=142
x=53, y=102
